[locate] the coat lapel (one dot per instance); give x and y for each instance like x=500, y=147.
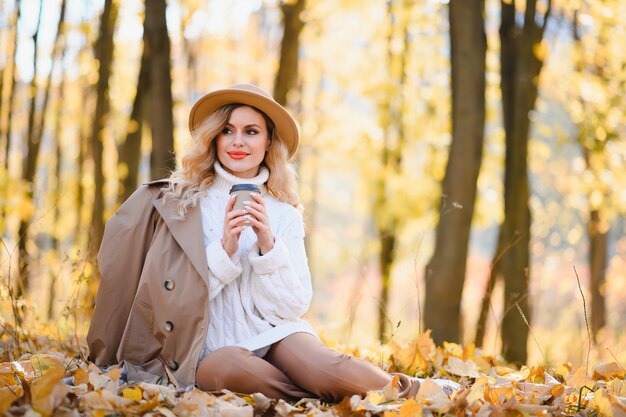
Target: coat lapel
x=188, y=232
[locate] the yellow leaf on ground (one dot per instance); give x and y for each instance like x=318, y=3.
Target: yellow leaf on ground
x=344, y=408
x=81, y=377
x=48, y=391
x=7, y=375
x=410, y=408
x=577, y=379
x=453, y=349
x=374, y=397
x=458, y=367
x=512, y=374
x=608, y=370
x=409, y=357
x=245, y=411
x=7, y=396
x=165, y=411
x=477, y=390
x=563, y=371
x=147, y=406
x=36, y=365
x=191, y=402
x=618, y=387
x=431, y=394
x=93, y=400
x=603, y=404
x=425, y=344
x=133, y=393
x=498, y=395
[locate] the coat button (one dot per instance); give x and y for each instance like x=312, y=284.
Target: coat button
x=169, y=285
x=169, y=326
x=173, y=365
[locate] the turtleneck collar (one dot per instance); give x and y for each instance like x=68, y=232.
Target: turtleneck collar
x=224, y=179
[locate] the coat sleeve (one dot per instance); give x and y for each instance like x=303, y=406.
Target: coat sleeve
x=126, y=240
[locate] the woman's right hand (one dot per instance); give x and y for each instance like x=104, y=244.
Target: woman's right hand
x=233, y=225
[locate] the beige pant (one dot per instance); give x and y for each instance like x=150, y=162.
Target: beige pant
x=296, y=367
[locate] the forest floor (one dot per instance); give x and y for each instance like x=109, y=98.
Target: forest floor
x=41, y=376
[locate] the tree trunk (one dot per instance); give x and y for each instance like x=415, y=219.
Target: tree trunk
x=162, y=161
x=485, y=306
x=130, y=150
x=520, y=68
x=104, y=56
x=287, y=74
x=28, y=170
x=56, y=241
x=597, y=228
x=84, y=150
x=445, y=272
x=11, y=95
x=391, y=162
x=598, y=254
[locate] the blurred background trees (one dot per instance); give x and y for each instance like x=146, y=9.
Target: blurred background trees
x=458, y=158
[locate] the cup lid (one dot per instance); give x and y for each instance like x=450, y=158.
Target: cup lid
x=246, y=187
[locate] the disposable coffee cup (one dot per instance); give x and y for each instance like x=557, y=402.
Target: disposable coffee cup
x=242, y=193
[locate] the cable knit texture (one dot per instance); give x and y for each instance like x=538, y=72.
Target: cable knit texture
x=254, y=300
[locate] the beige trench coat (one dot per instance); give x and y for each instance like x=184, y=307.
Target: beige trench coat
x=151, y=310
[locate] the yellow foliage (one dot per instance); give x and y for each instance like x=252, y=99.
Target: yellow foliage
x=410, y=408
x=47, y=392
x=133, y=393
x=608, y=404
x=7, y=375
x=498, y=395
x=81, y=377
x=608, y=370
x=375, y=397
x=458, y=367
x=8, y=394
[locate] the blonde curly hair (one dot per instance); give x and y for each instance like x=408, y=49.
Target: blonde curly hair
x=197, y=170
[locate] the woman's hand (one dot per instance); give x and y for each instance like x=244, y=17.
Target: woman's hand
x=260, y=223
x=233, y=225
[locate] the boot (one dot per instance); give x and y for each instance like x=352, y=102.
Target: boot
x=446, y=385
x=409, y=386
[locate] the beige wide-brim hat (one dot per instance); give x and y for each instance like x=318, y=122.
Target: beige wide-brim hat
x=252, y=96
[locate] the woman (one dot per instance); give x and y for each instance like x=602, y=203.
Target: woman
x=195, y=291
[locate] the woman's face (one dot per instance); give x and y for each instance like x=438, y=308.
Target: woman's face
x=242, y=144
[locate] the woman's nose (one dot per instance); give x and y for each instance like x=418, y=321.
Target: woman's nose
x=238, y=139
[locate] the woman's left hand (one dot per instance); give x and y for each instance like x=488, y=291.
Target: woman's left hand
x=260, y=223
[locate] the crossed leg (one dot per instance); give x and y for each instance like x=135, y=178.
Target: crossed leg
x=330, y=375
x=241, y=371
x=298, y=366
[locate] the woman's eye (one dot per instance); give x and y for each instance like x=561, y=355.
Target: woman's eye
x=251, y=132
x=226, y=130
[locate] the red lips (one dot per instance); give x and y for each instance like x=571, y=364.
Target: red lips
x=237, y=154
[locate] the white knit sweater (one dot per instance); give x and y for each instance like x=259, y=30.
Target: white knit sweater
x=254, y=300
